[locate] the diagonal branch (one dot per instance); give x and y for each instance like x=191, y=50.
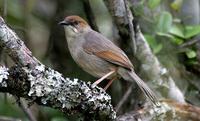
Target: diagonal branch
x=32, y=80
x=150, y=64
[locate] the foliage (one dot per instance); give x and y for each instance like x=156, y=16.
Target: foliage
x=168, y=27
x=153, y=3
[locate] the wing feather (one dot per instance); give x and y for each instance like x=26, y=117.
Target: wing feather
x=103, y=48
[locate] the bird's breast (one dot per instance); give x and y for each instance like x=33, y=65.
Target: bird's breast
x=88, y=62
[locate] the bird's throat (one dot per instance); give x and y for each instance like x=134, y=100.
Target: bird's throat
x=70, y=31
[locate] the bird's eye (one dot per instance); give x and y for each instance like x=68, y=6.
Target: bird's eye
x=75, y=22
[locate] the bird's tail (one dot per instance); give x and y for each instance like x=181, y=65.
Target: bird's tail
x=143, y=86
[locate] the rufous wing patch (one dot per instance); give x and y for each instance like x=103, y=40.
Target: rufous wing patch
x=114, y=58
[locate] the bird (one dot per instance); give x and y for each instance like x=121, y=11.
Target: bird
x=99, y=56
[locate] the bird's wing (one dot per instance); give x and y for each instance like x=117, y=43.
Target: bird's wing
x=100, y=46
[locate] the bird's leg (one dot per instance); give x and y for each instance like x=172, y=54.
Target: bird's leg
x=102, y=78
x=109, y=83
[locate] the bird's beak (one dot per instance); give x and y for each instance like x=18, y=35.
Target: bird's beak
x=64, y=23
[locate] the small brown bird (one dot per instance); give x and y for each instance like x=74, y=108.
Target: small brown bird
x=98, y=56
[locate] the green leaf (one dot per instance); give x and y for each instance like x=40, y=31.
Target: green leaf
x=165, y=35
x=150, y=39
x=191, y=31
x=185, y=32
x=174, y=39
x=153, y=3
x=157, y=48
x=164, y=22
x=176, y=5
x=192, y=62
x=153, y=44
x=191, y=54
x=177, y=40
x=177, y=30
x=59, y=119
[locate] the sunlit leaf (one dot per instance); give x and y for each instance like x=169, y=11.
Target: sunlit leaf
x=156, y=47
x=191, y=31
x=177, y=40
x=177, y=30
x=174, y=39
x=59, y=119
x=164, y=22
x=176, y=4
x=185, y=32
x=150, y=39
x=191, y=54
x=153, y=3
x=165, y=35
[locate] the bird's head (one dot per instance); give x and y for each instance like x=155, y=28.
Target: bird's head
x=74, y=25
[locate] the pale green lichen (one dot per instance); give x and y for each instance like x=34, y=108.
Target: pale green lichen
x=67, y=93
x=161, y=111
x=43, y=82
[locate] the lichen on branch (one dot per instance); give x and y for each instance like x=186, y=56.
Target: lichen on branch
x=34, y=81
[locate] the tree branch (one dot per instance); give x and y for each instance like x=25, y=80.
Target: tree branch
x=170, y=111
x=150, y=65
x=32, y=80
x=90, y=15
x=131, y=27
x=3, y=118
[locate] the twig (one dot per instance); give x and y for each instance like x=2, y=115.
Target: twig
x=3, y=118
x=130, y=24
x=189, y=43
x=23, y=105
x=124, y=98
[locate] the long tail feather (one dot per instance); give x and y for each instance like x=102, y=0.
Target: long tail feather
x=143, y=86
